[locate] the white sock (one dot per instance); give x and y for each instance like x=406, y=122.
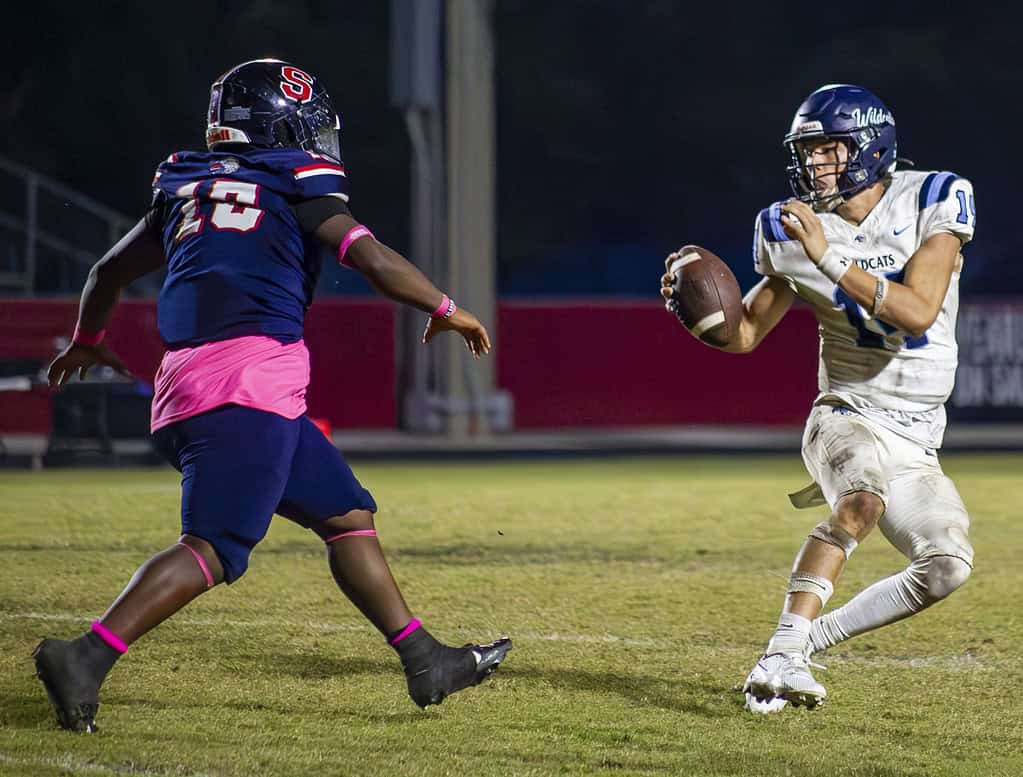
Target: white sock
x=791, y=635
x=884, y=602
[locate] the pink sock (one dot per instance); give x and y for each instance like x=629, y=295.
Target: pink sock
x=413, y=625
x=110, y=638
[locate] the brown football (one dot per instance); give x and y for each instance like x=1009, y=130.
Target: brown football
x=708, y=301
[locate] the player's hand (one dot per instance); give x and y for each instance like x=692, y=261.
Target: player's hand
x=800, y=222
x=668, y=280
x=80, y=358
x=467, y=325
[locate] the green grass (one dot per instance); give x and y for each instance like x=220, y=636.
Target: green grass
x=638, y=592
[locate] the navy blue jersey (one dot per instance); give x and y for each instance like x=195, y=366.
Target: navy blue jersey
x=238, y=260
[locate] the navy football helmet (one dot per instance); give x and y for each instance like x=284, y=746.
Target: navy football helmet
x=854, y=116
x=270, y=104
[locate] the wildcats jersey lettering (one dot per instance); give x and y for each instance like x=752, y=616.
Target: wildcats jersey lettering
x=238, y=261
x=900, y=381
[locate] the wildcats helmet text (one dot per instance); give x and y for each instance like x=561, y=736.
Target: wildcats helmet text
x=871, y=116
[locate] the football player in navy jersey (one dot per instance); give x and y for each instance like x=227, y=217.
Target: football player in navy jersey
x=240, y=230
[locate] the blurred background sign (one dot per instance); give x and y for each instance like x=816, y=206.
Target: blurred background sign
x=989, y=382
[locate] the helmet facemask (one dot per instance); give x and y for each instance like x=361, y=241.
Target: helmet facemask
x=854, y=173
x=819, y=164
x=323, y=128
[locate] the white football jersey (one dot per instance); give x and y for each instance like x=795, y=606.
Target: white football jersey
x=899, y=381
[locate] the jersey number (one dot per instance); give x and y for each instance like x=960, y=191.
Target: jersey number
x=866, y=338
x=230, y=213
x=964, y=215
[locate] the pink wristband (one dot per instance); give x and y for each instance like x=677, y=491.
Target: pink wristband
x=446, y=308
x=88, y=338
x=350, y=237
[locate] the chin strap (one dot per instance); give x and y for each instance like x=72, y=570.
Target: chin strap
x=828, y=204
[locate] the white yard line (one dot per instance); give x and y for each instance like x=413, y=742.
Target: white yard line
x=963, y=662
x=601, y=639
x=67, y=617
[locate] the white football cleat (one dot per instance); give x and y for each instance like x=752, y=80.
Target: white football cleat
x=765, y=706
x=785, y=677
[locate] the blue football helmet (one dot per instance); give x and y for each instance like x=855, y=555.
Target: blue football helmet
x=855, y=117
x=268, y=103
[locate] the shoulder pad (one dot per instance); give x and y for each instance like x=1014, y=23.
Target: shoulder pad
x=162, y=168
x=935, y=188
x=302, y=174
x=179, y=167
x=292, y=173
x=770, y=225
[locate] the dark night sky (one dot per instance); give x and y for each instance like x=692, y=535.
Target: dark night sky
x=626, y=127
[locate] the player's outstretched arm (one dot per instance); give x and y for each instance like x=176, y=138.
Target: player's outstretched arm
x=911, y=306
x=136, y=254
x=762, y=308
x=394, y=276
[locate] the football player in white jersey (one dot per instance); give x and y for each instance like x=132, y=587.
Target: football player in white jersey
x=876, y=253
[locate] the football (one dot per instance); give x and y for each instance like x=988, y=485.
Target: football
x=707, y=298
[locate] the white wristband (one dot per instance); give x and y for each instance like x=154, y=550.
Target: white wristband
x=833, y=265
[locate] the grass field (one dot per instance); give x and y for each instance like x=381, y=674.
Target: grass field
x=638, y=592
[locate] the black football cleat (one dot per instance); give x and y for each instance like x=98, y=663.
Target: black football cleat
x=453, y=669
x=73, y=694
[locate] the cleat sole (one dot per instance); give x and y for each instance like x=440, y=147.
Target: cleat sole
x=804, y=699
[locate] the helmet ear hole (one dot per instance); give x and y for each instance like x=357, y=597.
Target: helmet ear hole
x=283, y=134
